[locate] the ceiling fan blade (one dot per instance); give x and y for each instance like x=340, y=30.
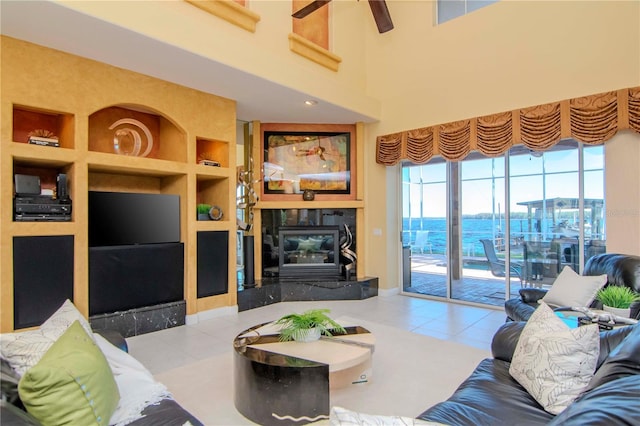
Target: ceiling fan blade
x=311, y=7
x=381, y=15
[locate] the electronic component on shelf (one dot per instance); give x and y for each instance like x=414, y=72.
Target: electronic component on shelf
x=32, y=208
x=34, y=217
x=27, y=184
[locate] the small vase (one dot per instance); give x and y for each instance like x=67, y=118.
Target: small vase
x=203, y=216
x=307, y=335
x=621, y=312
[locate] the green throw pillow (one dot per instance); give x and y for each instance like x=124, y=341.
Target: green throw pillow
x=72, y=384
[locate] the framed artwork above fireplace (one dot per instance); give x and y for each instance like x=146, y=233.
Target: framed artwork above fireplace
x=319, y=158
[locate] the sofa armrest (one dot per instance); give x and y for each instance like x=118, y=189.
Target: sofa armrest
x=532, y=295
x=505, y=340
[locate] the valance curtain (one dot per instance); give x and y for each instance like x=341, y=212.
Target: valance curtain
x=591, y=119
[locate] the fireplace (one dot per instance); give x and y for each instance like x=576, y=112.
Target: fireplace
x=309, y=251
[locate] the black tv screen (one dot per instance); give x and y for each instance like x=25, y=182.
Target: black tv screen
x=122, y=218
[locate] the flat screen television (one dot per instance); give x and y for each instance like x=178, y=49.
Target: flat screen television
x=124, y=218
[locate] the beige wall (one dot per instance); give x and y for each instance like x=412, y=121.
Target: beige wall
x=508, y=55
x=622, y=189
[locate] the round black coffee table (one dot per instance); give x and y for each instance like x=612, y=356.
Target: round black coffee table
x=279, y=383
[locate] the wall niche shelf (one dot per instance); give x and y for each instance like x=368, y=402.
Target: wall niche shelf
x=212, y=150
x=28, y=119
x=214, y=190
x=136, y=133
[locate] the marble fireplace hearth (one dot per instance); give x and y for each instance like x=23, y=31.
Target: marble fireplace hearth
x=273, y=290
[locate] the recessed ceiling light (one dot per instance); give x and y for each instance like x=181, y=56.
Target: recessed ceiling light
x=310, y=102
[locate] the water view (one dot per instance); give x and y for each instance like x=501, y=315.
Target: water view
x=473, y=230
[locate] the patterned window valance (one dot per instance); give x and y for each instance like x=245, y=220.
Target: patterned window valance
x=591, y=119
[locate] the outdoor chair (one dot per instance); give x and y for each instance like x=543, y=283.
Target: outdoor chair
x=497, y=266
x=422, y=242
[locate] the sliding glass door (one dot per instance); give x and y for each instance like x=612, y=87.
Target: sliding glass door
x=424, y=228
x=479, y=229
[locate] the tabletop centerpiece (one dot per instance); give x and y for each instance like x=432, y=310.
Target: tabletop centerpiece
x=308, y=326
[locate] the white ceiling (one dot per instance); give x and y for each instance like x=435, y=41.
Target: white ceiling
x=58, y=27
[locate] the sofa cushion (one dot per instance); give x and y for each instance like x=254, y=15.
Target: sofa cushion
x=573, y=290
x=490, y=396
x=72, y=384
x=554, y=362
x=614, y=403
x=24, y=349
x=624, y=360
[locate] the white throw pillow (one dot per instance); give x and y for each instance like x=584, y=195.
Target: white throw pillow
x=573, y=290
x=553, y=362
x=342, y=417
x=24, y=349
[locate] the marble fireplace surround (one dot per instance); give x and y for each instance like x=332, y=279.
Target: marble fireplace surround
x=275, y=219
x=270, y=288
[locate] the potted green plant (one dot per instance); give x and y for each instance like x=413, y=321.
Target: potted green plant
x=308, y=326
x=617, y=299
x=203, y=211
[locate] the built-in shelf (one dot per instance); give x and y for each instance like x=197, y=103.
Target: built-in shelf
x=133, y=165
x=134, y=131
x=27, y=120
x=41, y=156
x=212, y=150
x=26, y=229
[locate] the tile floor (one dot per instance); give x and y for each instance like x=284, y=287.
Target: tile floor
x=165, y=350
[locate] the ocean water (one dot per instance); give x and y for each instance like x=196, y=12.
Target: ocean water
x=473, y=230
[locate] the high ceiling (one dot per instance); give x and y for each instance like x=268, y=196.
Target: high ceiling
x=53, y=25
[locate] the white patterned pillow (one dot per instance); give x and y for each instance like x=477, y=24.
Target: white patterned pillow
x=553, y=362
x=56, y=325
x=342, y=417
x=24, y=349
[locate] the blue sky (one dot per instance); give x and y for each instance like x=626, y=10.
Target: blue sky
x=478, y=188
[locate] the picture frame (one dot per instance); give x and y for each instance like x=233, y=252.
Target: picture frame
x=319, y=161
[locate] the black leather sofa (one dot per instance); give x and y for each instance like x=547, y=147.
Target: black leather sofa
x=621, y=270
x=12, y=412
x=490, y=396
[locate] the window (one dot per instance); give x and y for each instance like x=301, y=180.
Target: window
x=450, y=9
x=535, y=212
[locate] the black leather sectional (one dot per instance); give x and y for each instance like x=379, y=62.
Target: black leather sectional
x=490, y=396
